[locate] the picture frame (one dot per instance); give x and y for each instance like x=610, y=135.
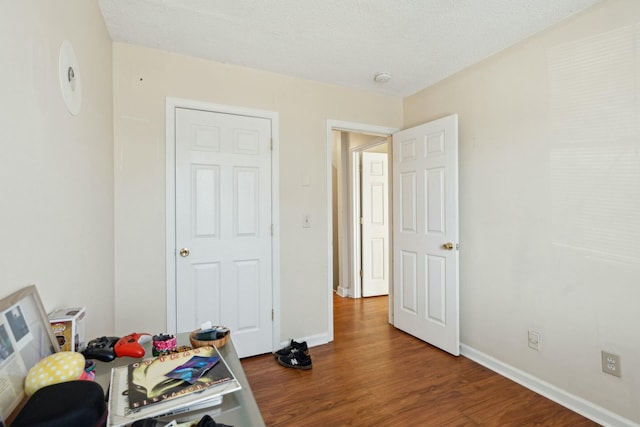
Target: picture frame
x=26, y=338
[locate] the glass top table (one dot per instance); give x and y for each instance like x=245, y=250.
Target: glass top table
x=238, y=409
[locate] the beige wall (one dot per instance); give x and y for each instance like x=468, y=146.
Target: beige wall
x=142, y=79
x=550, y=201
x=56, y=170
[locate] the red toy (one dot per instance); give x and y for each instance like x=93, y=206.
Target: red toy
x=131, y=345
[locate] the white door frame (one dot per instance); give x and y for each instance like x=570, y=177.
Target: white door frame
x=340, y=125
x=355, y=186
x=170, y=143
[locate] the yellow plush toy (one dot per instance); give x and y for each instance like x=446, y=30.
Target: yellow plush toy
x=55, y=368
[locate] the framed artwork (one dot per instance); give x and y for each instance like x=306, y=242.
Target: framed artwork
x=25, y=338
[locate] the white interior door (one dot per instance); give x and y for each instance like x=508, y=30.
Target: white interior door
x=425, y=179
x=223, y=226
x=375, y=224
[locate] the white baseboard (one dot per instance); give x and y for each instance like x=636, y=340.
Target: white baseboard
x=342, y=291
x=577, y=404
x=312, y=340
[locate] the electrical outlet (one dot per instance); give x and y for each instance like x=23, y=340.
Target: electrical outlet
x=611, y=364
x=534, y=340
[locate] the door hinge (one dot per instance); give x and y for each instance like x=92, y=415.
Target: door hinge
x=272, y=229
x=361, y=273
x=273, y=315
x=361, y=220
x=271, y=144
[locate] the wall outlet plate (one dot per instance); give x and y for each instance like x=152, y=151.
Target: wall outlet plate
x=534, y=340
x=611, y=364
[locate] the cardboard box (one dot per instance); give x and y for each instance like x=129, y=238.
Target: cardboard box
x=68, y=328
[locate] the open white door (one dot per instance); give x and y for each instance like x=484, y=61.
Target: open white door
x=425, y=180
x=375, y=224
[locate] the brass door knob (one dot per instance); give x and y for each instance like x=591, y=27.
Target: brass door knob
x=448, y=246
x=184, y=252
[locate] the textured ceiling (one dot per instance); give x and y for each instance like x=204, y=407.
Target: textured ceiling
x=341, y=42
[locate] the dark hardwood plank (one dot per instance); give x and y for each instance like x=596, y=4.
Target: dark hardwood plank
x=374, y=374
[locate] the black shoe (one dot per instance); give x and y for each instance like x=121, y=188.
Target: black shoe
x=293, y=347
x=297, y=360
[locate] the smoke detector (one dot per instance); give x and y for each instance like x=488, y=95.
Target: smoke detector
x=382, y=77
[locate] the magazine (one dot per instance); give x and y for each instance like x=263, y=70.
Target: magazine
x=175, y=375
x=174, y=383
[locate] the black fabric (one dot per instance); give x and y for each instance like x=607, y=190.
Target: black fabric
x=69, y=404
x=205, y=421
x=147, y=422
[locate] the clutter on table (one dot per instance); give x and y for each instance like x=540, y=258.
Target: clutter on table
x=56, y=368
x=163, y=344
x=208, y=335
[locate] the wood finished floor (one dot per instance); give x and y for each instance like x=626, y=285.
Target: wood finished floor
x=373, y=374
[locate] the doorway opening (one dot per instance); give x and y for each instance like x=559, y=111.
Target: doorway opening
x=361, y=209
x=347, y=144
